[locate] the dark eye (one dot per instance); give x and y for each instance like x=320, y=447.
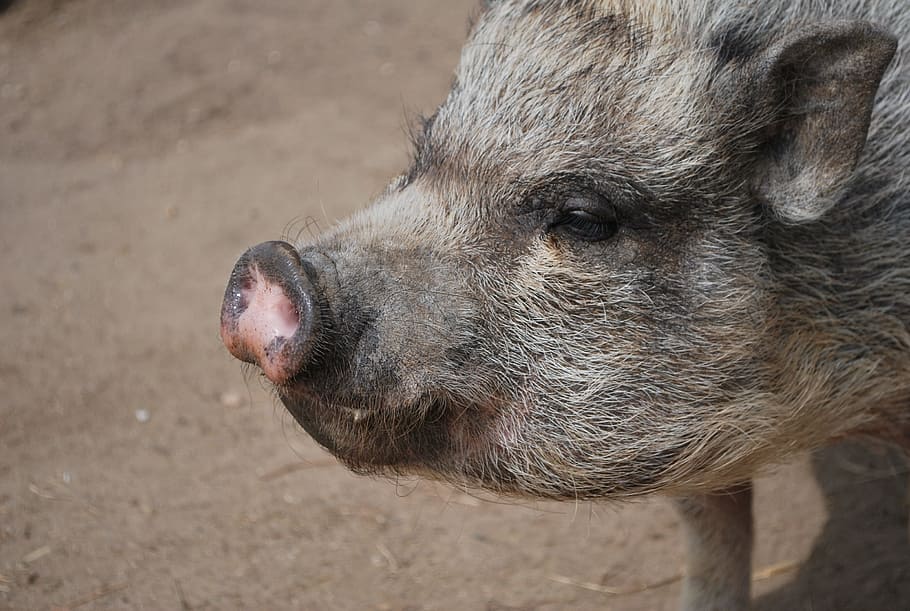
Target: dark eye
x=590, y=218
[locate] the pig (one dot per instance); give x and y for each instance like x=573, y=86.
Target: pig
x=642, y=246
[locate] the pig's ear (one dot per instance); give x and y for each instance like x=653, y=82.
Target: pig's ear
x=818, y=86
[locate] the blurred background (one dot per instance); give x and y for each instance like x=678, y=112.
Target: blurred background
x=143, y=147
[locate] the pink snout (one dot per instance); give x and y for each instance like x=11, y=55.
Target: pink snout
x=268, y=317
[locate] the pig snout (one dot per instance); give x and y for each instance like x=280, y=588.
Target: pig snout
x=270, y=316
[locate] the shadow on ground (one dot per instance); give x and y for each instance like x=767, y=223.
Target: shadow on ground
x=861, y=559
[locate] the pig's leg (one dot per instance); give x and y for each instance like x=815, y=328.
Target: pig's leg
x=718, y=533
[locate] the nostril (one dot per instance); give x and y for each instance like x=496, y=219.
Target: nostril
x=247, y=288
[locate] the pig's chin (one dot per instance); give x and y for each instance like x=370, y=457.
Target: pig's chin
x=371, y=437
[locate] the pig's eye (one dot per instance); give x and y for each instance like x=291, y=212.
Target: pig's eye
x=587, y=218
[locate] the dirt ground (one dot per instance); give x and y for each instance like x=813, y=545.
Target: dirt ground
x=143, y=147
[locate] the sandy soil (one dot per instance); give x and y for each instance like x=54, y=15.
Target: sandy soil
x=143, y=147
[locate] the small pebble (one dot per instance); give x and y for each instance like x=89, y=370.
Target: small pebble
x=230, y=399
x=143, y=415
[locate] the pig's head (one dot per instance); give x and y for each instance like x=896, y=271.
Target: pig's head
x=568, y=293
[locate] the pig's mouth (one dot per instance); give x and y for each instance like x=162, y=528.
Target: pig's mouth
x=373, y=438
